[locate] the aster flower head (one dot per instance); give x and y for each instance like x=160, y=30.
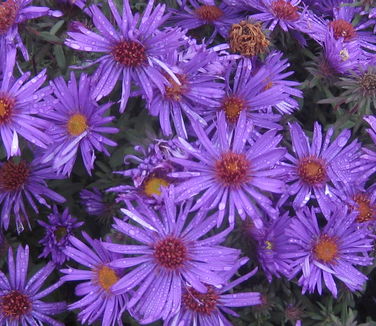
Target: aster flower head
x=22, y=185
x=59, y=228
x=317, y=167
x=231, y=171
x=173, y=253
x=98, y=302
x=193, y=14
x=248, y=91
x=207, y=309
x=21, y=106
x=369, y=154
x=20, y=299
x=343, y=26
x=272, y=247
x=197, y=88
x=287, y=14
x=133, y=52
x=151, y=174
x=79, y=125
x=323, y=254
x=15, y=12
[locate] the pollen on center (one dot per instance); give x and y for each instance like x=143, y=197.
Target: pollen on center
x=326, y=249
x=232, y=169
x=106, y=277
x=152, y=185
x=77, y=124
x=232, y=106
x=312, y=170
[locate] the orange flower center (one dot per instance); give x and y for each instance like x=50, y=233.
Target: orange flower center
x=342, y=28
x=175, y=91
x=6, y=108
x=209, y=13
x=326, y=249
x=233, y=106
x=13, y=176
x=170, y=253
x=312, y=170
x=366, y=212
x=285, y=10
x=106, y=277
x=129, y=53
x=203, y=303
x=8, y=13
x=232, y=169
x=248, y=39
x=77, y=124
x=152, y=186
x=14, y=304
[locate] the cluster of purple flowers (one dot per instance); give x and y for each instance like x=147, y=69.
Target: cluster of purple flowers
x=306, y=197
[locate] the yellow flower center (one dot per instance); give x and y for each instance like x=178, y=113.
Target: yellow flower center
x=77, y=124
x=106, y=277
x=152, y=186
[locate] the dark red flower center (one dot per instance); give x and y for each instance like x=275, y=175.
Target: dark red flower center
x=170, y=252
x=248, y=39
x=209, y=13
x=366, y=211
x=326, y=248
x=8, y=13
x=6, y=108
x=203, y=303
x=13, y=176
x=15, y=304
x=342, y=28
x=312, y=170
x=174, y=91
x=232, y=106
x=232, y=169
x=129, y=53
x=285, y=10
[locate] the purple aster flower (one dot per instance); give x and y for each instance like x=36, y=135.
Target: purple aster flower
x=98, y=302
x=316, y=170
x=339, y=57
x=22, y=182
x=132, y=53
x=197, y=88
x=206, y=309
x=232, y=172
x=15, y=12
x=171, y=256
x=78, y=125
x=272, y=247
x=369, y=154
x=276, y=66
x=332, y=251
x=195, y=13
x=20, y=300
x=250, y=92
x=20, y=107
x=60, y=227
x=342, y=26
x=151, y=173
x=286, y=14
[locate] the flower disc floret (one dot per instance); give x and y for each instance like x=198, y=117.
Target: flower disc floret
x=129, y=53
x=152, y=185
x=368, y=82
x=342, y=28
x=14, y=304
x=233, y=105
x=232, y=169
x=8, y=13
x=13, y=176
x=312, y=170
x=366, y=211
x=174, y=91
x=170, y=253
x=6, y=108
x=203, y=303
x=326, y=249
x=285, y=10
x=77, y=124
x=106, y=277
x=209, y=13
